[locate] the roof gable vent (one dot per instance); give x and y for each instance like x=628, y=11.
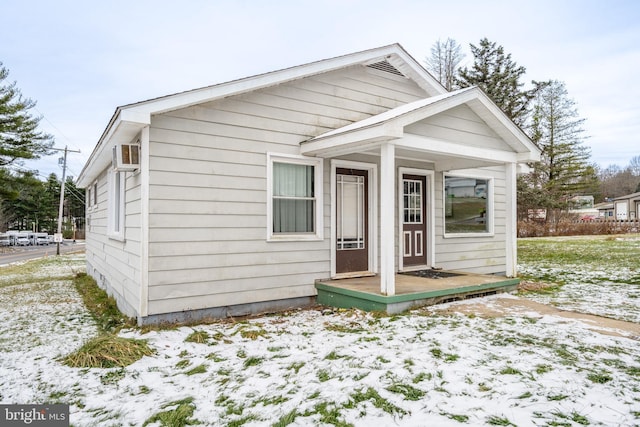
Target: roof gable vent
x=386, y=67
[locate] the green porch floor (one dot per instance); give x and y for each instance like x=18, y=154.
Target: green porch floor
x=411, y=292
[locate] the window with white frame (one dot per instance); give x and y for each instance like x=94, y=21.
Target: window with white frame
x=467, y=205
x=89, y=197
x=295, y=197
x=92, y=196
x=115, y=210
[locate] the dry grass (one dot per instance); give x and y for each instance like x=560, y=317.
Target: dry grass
x=108, y=351
x=571, y=227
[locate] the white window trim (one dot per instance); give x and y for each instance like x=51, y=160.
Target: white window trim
x=94, y=186
x=490, y=208
x=111, y=232
x=91, y=197
x=317, y=163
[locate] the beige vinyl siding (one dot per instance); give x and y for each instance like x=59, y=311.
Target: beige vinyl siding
x=114, y=264
x=208, y=195
x=486, y=254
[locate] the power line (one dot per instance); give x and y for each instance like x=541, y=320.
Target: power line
x=56, y=128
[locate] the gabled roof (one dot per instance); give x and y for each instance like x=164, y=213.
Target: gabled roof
x=128, y=120
x=629, y=196
x=390, y=124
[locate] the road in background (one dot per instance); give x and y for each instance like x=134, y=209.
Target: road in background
x=23, y=253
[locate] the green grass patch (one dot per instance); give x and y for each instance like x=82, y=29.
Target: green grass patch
x=370, y=394
x=112, y=377
x=600, y=377
x=543, y=369
x=409, y=392
x=323, y=375
x=352, y=328
x=176, y=417
x=509, y=370
x=499, y=421
x=198, y=337
x=200, y=369
x=456, y=417
x=421, y=377
x=286, y=419
x=253, y=333
x=102, y=307
x=252, y=361
x=557, y=397
x=183, y=363
x=329, y=414
x=296, y=366
x=108, y=351
x=242, y=421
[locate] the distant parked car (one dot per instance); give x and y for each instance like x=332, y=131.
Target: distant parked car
x=23, y=241
x=42, y=239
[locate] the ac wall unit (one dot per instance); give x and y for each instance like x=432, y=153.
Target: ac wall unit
x=126, y=157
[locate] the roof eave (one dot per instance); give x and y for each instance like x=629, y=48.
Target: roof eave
x=123, y=127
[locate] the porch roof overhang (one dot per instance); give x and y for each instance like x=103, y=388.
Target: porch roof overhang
x=367, y=135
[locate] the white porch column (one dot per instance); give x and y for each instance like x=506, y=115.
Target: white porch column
x=511, y=228
x=387, y=227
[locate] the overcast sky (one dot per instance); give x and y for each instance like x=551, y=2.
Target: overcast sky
x=81, y=59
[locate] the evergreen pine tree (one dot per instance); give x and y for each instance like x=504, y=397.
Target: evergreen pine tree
x=564, y=170
x=19, y=135
x=499, y=76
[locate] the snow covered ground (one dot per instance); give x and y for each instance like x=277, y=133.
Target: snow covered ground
x=321, y=367
x=609, y=286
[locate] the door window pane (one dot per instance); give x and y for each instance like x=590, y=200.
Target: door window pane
x=412, y=197
x=350, y=212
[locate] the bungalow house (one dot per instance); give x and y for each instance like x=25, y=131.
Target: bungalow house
x=235, y=198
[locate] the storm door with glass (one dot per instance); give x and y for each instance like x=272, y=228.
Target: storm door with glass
x=351, y=221
x=414, y=224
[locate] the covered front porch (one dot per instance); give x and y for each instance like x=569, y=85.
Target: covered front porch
x=392, y=197
x=412, y=290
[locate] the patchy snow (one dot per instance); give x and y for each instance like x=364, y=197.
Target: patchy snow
x=610, y=289
x=322, y=365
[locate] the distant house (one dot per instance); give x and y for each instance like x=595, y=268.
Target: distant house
x=235, y=198
x=605, y=210
x=627, y=207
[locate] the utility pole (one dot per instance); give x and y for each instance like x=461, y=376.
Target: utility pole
x=64, y=170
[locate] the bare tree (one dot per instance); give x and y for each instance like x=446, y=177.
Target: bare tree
x=634, y=165
x=444, y=60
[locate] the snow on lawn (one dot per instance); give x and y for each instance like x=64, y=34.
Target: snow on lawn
x=608, y=286
x=323, y=367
